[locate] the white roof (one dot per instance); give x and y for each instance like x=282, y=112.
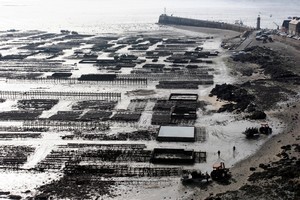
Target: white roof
x=176, y=131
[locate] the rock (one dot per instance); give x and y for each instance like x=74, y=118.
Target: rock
x=252, y=169
x=264, y=166
x=258, y=115
x=251, y=107
x=15, y=197
x=42, y=197
x=287, y=147
x=4, y=193
x=297, y=148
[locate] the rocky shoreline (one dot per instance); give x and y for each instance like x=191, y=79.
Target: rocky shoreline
x=269, y=79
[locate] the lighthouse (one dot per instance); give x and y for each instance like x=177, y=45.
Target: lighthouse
x=258, y=23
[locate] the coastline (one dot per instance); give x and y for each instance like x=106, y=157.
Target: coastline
x=241, y=170
x=265, y=154
x=271, y=150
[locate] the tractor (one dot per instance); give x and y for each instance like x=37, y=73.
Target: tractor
x=265, y=129
x=220, y=173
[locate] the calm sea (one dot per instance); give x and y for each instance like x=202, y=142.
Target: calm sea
x=130, y=15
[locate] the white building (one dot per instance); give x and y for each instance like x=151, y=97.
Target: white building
x=294, y=26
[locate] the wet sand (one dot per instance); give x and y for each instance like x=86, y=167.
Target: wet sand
x=240, y=171
x=50, y=140
x=223, y=129
x=269, y=151
x=266, y=154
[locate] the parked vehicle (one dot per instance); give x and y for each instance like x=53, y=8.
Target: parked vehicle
x=220, y=172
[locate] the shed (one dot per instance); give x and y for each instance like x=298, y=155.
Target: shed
x=294, y=27
x=176, y=134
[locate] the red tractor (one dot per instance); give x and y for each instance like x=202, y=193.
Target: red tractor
x=220, y=173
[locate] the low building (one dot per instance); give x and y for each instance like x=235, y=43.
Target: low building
x=176, y=134
x=294, y=26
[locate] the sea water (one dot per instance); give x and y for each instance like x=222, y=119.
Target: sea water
x=97, y=16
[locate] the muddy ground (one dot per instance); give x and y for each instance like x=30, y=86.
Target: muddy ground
x=269, y=73
x=139, y=69
x=117, y=137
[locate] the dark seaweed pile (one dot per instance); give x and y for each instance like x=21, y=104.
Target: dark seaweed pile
x=274, y=64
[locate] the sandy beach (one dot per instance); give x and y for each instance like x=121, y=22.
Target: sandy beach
x=287, y=112
x=239, y=187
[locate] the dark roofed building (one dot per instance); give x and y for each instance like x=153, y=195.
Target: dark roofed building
x=285, y=25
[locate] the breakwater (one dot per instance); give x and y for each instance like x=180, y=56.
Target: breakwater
x=165, y=19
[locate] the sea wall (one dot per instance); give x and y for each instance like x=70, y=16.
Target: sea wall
x=165, y=19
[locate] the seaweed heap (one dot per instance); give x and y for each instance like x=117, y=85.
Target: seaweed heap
x=240, y=100
x=274, y=64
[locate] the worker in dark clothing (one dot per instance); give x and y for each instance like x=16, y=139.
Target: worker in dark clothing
x=234, y=151
x=219, y=152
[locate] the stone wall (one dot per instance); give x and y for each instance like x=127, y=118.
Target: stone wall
x=165, y=19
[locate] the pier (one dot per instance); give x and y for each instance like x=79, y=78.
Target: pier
x=171, y=20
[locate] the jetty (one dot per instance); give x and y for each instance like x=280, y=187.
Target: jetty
x=171, y=20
